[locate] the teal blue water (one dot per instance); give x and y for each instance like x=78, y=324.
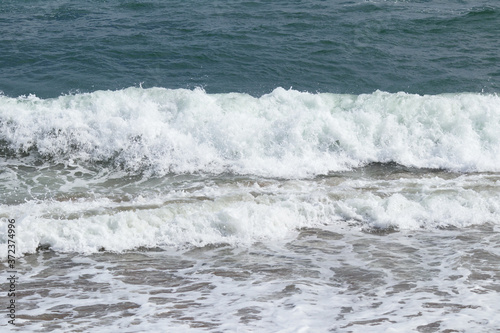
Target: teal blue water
x=54, y=47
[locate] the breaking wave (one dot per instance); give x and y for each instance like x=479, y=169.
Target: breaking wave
x=286, y=133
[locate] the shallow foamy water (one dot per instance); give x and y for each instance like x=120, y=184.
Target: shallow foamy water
x=321, y=279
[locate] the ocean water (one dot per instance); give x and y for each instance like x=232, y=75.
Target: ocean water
x=251, y=166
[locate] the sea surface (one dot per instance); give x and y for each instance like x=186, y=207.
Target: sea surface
x=251, y=166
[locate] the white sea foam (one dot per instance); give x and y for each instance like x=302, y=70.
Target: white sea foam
x=282, y=141
x=241, y=213
x=286, y=133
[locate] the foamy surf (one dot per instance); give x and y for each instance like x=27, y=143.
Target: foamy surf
x=241, y=211
x=119, y=170
x=286, y=133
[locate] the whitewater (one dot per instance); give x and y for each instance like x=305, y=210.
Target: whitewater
x=119, y=170
x=152, y=209
x=286, y=133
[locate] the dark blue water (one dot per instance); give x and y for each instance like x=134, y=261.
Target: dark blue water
x=54, y=47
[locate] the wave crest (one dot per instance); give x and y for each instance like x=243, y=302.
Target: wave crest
x=286, y=133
